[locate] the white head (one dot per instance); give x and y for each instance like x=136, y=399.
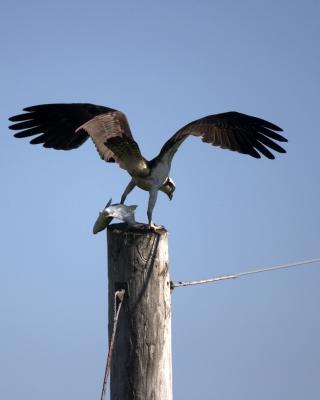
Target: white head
x=168, y=187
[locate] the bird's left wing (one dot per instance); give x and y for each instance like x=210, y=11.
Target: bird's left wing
x=67, y=126
x=231, y=130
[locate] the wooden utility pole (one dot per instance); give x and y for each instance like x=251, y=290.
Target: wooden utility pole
x=141, y=366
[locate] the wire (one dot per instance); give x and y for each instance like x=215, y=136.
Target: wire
x=234, y=276
x=118, y=296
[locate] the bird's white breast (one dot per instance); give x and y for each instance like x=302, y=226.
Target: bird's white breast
x=160, y=173
x=156, y=179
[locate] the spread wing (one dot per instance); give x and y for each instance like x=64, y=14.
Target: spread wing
x=68, y=126
x=231, y=130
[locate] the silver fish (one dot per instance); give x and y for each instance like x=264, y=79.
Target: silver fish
x=118, y=211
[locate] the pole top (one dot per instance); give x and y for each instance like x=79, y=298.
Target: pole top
x=142, y=229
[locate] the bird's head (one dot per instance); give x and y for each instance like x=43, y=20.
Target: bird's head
x=168, y=188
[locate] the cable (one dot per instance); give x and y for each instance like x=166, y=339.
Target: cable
x=234, y=276
x=118, y=296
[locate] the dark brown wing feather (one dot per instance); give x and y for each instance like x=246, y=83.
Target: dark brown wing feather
x=127, y=154
x=233, y=131
x=68, y=126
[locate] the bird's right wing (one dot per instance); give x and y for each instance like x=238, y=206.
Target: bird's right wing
x=112, y=137
x=67, y=126
x=127, y=154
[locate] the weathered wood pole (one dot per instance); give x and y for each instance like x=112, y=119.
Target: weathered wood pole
x=141, y=366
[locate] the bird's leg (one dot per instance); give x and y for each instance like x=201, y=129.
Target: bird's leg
x=128, y=189
x=153, y=194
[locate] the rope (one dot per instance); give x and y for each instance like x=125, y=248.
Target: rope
x=234, y=276
x=118, y=300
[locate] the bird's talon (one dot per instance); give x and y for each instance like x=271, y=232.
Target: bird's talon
x=153, y=227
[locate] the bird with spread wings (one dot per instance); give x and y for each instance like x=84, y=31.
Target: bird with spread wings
x=68, y=126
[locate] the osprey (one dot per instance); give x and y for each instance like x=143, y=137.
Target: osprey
x=68, y=126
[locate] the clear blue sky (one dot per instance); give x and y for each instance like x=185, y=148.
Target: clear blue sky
x=164, y=64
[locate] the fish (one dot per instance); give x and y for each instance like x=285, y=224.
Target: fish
x=119, y=211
